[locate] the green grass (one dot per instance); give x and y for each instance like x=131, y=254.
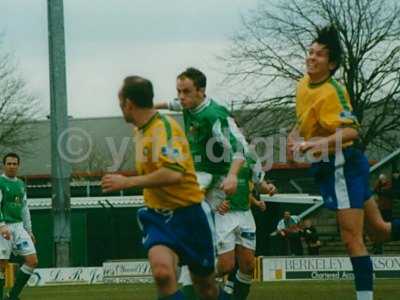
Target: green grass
x=299, y=290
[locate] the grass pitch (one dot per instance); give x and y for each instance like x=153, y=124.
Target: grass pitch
x=294, y=290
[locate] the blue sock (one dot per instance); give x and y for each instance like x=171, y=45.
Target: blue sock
x=177, y=296
x=395, y=230
x=363, y=273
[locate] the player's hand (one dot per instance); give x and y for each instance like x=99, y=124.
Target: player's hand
x=293, y=140
x=32, y=237
x=5, y=232
x=316, y=146
x=113, y=182
x=289, y=149
x=261, y=205
x=269, y=188
x=223, y=208
x=229, y=185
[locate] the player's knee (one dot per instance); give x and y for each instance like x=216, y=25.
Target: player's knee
x=162, y=275
x=32, y=262
x=247, y=265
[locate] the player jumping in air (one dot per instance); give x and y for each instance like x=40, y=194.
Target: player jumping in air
x=326, y=133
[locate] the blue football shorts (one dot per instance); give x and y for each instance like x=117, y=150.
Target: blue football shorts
x=343, y=180
x=188, y=231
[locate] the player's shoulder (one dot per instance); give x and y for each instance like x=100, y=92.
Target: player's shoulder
x=334, y=88
x=20, y=181
x=167, y=125
x=169, y=121
x=216, y=110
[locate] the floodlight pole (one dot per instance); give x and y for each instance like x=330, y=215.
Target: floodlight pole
x=60, y=167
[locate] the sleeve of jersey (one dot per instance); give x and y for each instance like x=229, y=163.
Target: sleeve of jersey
x=175, y=105
x=226, y=132
x=258, y=173
x=1, y=213
x=26, y=215
x=170, y=155
x=336, y=113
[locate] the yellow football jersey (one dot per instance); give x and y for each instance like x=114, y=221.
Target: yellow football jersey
x=161, y=143
x=322, y=108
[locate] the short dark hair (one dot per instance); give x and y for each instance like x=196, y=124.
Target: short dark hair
x=198, y=77
x=329, y=37
x=139, y=90
x=11, y=154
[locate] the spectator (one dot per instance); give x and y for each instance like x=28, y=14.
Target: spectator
x=310, y=236
x=289, y=230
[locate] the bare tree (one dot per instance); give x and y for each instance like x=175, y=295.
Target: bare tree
x=268, y=56
x=18, y=108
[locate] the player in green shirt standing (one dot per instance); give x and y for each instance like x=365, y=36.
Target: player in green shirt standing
x=15, y=226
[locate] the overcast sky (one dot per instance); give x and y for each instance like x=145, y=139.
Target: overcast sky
x=109, y=39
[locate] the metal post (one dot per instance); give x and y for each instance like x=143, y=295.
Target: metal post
x=60, y=168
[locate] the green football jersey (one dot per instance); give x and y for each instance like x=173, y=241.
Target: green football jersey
x=251, y=171
x=215, y=140
x=13, y=199
x=240, y=199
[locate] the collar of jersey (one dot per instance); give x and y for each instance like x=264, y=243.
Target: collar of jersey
x=149, y=122
x=318, y=84
x=9, y=178
x=201, y=107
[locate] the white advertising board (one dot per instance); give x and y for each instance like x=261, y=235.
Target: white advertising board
x=324, y=268
x=66, y=276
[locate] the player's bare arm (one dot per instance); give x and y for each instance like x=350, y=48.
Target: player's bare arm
x=161, y=177
x=343, y=135
x=257, y=203
x=229, y=184
x=161, y=105
x=268, y=188
x=291, y=141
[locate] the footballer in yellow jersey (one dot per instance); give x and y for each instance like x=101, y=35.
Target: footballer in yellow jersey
x=325, y=121
x=161, y=143
x=322, y=108
x=176, y=223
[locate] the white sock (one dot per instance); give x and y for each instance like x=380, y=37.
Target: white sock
x=184, y=277
x=365, y=295
x=244, y=278
x=27, y=270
